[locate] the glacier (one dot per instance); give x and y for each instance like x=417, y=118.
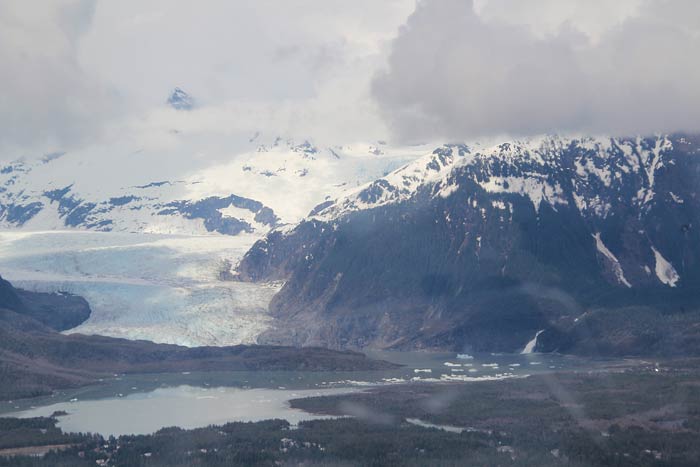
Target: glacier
x=146, y=234
x=163, y=288
x=138, y=238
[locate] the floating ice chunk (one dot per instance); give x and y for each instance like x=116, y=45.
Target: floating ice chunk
x=352, y=382
x=392, y=380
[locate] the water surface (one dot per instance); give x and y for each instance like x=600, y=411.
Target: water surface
x=124, y=404
x=182, y=406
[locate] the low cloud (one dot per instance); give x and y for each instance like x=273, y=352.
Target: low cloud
x=457, y=72
x=47, y=98
x=299, y=68
x=79, y=74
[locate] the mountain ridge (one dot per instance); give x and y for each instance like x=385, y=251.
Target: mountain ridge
x=251, y=188
x=481, y=249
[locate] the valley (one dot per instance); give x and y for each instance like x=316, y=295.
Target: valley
x=479, y=247
x=162, y=288
x=405, y=233
x=627, y=415
x=138, y=402
x=469, y=277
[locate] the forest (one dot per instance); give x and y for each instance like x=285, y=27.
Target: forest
x=649, y=416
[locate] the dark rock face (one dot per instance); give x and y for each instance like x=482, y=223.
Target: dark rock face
x=57, y=311
x=8, y=296
x=105, y=215
x=180, y=100
x=19, y=214
x=208, y=210
x=122, y=200
x=479, y=250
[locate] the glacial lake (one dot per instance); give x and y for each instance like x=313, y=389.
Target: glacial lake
x=141, y=404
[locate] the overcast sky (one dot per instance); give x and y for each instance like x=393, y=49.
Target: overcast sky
x=80, y=72
x=521, y=67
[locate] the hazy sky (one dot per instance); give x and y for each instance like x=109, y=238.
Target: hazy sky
x=78, y=72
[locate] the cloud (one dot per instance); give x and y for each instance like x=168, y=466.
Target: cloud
x=302, y=68
x=79, y=73
x=47, y=98
x=457, y=72
x=593, y=18
x=82, y=73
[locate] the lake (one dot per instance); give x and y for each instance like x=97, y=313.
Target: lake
x=141, y=404
x=182, y=406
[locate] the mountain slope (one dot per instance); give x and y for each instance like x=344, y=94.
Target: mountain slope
x=35, y=359
x=482, y=247
x=168, y=213
x=245, y=186
x=57, y=311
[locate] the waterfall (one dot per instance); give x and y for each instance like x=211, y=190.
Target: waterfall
x=530, y=347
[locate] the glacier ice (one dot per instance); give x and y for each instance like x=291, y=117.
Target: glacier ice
x=162, y=288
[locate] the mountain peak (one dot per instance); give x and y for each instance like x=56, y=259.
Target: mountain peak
x=180, y=100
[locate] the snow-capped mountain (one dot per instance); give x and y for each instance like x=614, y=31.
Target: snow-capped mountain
x=249, y=191
x=180, y=100
x=146, y=233
x=593, y=241
x=166, y=174
x=482, y=247
x=598, y=171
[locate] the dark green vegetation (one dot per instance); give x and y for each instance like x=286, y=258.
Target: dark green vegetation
x=483, y=270
x=25, y=432
x=627, y=417
x=35, y=359
x=670, y=329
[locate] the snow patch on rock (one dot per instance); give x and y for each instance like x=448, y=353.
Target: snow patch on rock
x=664, y=269
x=615, y=264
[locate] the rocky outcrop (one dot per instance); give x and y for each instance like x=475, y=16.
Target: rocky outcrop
x=481, y=248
